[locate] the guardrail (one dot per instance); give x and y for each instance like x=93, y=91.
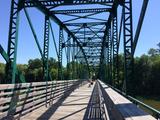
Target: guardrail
x=20, y=99
x=155, y=113
x=146, y=107
x=120, y=106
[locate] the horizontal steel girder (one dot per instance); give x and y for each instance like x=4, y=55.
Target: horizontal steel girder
x=54, y=3
x=88, y=57
x=46, y=11
x=88, y=23
x=85, y=44
x=81, y=11
x=87, y=32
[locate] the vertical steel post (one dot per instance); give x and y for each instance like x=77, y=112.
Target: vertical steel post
x=68, y=55
x=46, y=49
x=128, y=43
x=109, y=56
x=115, y=48
x=73, y=61
x=60, y=54
x=12, y=42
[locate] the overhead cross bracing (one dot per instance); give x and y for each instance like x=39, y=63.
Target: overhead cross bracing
x=93, y=29
x=84, y=23
x=89, y=35
x=52, y=4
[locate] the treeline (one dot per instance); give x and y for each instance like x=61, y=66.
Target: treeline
x=146, y=76
x=33, y=71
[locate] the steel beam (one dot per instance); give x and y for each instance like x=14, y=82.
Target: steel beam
x=128, y=44
x=88, y=23
x=84, y=44
x=60, y=54
x=4, y=54
x=74, y=11
x=46, y=11
x=68, y=56
x=46, y=49
x=88, y=57
x=87, y=32
x=109, y=57
x=19, y=75
x=12, y=42
x=139, y=26
x=115, y=49
x=55, y=3
x=107, y=35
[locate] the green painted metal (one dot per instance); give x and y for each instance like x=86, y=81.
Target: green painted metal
x=12, y=43
x=57, y=3
x=60, y=74
x=115, y=49
x=36, y=40
x=128, y=44
x=42, y=7
x=46, y=49
x=33, y=31
x=109, y=44
x=53, y=38
x=68, y=56
x=4, y=54
x=140, y=22
x=19, y=75
x=109, y=57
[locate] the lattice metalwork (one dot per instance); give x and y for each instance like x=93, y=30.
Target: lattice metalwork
x=93, y=36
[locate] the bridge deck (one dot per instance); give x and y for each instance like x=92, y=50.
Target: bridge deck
x=80, y=102
x=71, y=108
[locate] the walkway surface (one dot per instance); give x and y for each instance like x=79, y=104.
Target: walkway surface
x=73, y=107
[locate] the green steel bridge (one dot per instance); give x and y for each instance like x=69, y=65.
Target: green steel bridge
x=90, y=32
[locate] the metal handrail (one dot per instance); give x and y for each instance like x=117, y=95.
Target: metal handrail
x=155, y=112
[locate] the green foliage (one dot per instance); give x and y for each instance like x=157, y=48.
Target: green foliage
x=54, y=73
x=36, y=63
x=153, y=52
x=2, y=71
x=146, y=72
x=146, y=76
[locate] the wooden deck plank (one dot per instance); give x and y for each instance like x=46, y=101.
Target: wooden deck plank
x=72, y=108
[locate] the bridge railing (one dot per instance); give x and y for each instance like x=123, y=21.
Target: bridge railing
x=140, y=104
x=19, y=99
x=120, y=107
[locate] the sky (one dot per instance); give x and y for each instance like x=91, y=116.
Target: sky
x=27, y=49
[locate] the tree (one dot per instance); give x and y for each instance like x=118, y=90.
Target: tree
x=153, y=52
x=2, y=71
x=54, y=73
x=35, y=63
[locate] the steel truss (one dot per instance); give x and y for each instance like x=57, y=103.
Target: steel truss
x=93, y=42
x=60, y=54
x=56, y=3
x=128, y=43
x=12, y=43
x=115, y=49
x=46, y=48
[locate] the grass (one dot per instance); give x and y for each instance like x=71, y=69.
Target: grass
x=152, y=101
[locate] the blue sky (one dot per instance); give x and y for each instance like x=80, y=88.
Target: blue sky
x=27, y=49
